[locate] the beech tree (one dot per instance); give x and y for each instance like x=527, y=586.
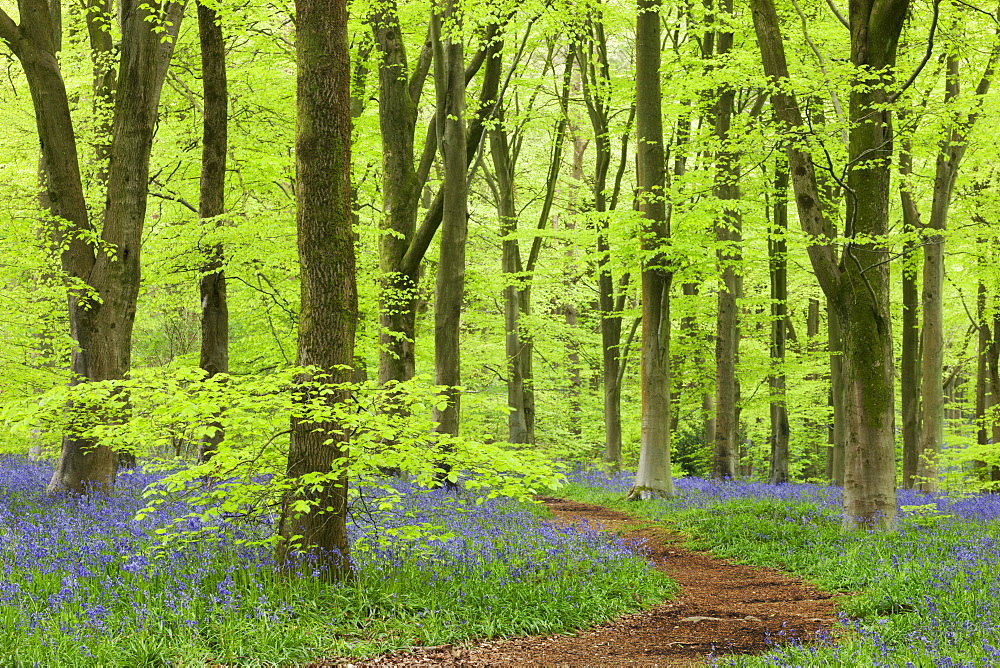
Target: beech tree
x=101, y=261
x=729, y=233
x=314, y=511
x=214, y=356
x=653, y=477
x=858, y=285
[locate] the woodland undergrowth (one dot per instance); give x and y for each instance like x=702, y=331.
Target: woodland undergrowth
x=82, y=582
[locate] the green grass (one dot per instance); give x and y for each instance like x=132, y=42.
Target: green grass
x=923, y=595
x=80, y=587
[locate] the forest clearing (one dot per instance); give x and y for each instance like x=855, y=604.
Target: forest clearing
x=476, y=332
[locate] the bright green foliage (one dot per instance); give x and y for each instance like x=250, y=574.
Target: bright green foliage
x=163, y=412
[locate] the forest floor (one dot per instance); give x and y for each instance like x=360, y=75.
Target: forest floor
x=723, y=608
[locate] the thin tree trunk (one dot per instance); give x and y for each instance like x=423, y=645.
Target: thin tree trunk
x=728, y=232
x=653, y=478
x=329, y=306
x=449, y=76
x=838, y=398
x=516, y=346
x=595, y=71
x=983, y=403
x=821, y=452
x=951, y=151
x=993, y=373
x=524, y=291
x=909, y=385
x=778, y=252
x=214, y=358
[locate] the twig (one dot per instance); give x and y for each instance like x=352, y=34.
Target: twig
x=927, y=56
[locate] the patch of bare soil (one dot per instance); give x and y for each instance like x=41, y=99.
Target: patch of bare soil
x=723, y=608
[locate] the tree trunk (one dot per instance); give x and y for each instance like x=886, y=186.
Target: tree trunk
x=837, y=397
x=993, y=372
x=517, y=347
x=214, y=358
x=449, y=77
x=595, y=70
x=859, y=287
x=400, y=198
x=909, y=385
x=403, y=244
x=821, y=450
x=329, y=301
x=728, y=232
x=653, y=478
x=951, y=151
x=102, y=306
x=524, y=285
x=778, y=256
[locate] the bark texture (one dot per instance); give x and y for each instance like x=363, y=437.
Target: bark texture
x=653, y=478
x=449, y=79
x=859, y=286
x=214, y=357
x=329, y=306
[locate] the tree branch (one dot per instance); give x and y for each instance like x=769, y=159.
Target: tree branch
x=927, y=55
x=836, y=12
x=9, y=32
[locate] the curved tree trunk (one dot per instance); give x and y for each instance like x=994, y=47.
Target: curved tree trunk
x=859, y=287
x=400, y=197
x=102, y=326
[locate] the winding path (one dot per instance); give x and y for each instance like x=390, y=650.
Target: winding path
x=723, y=608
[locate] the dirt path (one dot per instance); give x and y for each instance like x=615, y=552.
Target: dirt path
x=723, y=608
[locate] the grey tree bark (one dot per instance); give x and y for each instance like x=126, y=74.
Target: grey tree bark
x=859, y=286
x=653, y=477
